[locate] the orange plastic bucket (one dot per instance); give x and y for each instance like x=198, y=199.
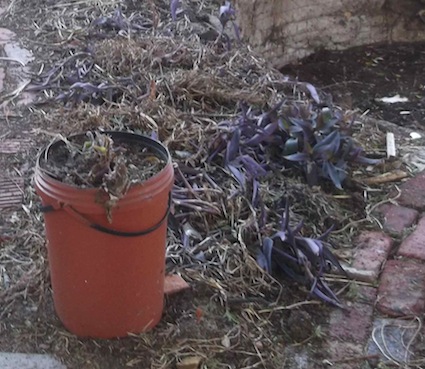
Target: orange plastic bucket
x=107, y=278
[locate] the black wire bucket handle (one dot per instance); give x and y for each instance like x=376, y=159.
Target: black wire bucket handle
x=82, y=218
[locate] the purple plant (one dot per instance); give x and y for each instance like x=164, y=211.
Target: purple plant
x=227, y=13
x=115, y=22
x=303, y=136
x=174, y=6
x=302, y=259
x=118, y=22
x=318, y=144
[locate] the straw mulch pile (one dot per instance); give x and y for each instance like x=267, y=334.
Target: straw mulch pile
x=131, y=67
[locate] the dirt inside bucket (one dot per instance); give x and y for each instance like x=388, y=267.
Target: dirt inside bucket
x=96, y=160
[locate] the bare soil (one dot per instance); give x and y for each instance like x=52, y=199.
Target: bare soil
x=357, y=78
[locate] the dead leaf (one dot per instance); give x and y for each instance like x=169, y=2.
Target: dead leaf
x=190, y=362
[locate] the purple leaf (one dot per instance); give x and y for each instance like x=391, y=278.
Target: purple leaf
x=318, y=293
x=314, y=245
x=200, y=256
x=298, y=157
x=264, y=256
x=291, y=146
x=313, y=92
x=329, y=256
x=368, y=161
x=220, y=147
x=285, y=255
x=330, y=144
x=174, y=5
x=335, y=174
x=280, y=235
x=238, y=175
x=271, y=115
x=284, y=222
x=226, y=13
x=185, y=241
x=233, y=146
x=300, y=125
x=154, y=135
x=237, y=31
x=264, y=134
x=116, y=22
x=327, y=233
x=255, y=192
x=254, y=169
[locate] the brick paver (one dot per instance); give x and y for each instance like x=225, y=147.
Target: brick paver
x=413, y=192
x=397, y=218
x=352, y=324
x=173, y=283
x=414, y=245
x=340, y=353
x=402, y=288
x=366, y=295
x=371, y=250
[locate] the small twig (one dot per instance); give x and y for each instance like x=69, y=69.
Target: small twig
x=391, y=200
x=393, y=176
x=289, y=307
x=351, y=224
x=355, y=358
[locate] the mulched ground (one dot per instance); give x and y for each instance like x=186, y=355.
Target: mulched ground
x=235, y=315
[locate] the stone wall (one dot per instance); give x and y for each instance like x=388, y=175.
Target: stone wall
x=287, y=30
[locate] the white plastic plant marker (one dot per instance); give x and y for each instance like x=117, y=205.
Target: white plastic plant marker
x=391, y=151
x=415, y=135
x=393, y=99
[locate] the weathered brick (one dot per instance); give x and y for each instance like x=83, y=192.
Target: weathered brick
x=296, y=357
x=402, y=288
x=414, y=245
x=372, y=249
x=351, y=324
x=412, y=192
x=173, y=283
x=397, y=218
x=366, y=295
x=344, y=355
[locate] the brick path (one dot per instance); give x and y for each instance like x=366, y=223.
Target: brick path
x=382, y=317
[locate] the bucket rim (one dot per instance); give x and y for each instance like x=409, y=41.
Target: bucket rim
x=149, y=141
x=57, y=193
